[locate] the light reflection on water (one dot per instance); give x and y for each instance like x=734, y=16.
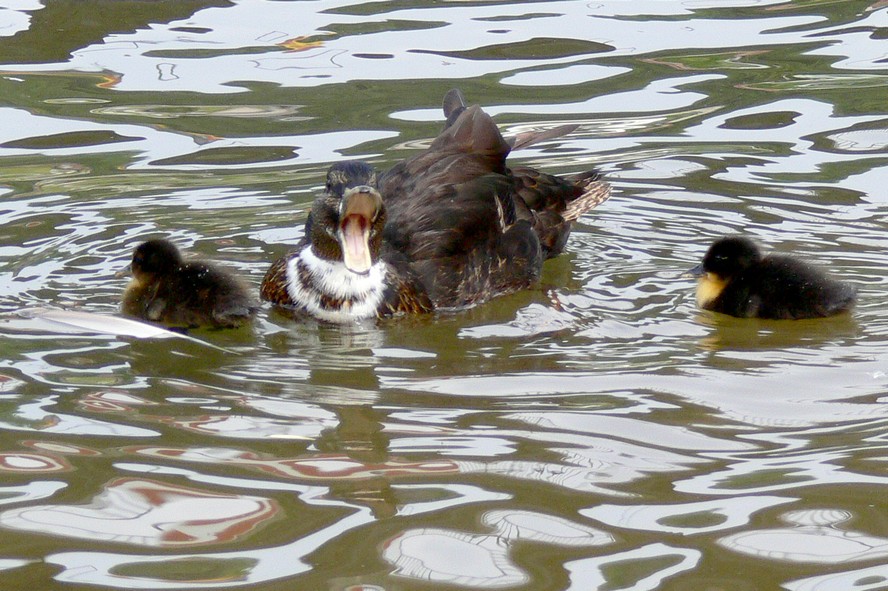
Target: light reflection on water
x=594, y=432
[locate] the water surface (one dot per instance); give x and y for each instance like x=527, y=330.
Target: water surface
x=596, y=432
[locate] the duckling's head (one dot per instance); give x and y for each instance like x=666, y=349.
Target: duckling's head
x=346, y=223
x=725, y=259
x=154, y=258
x=729, y=256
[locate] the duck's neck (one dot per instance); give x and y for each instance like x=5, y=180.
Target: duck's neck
x=328, y=290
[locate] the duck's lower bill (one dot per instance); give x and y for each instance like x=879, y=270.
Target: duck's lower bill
x=354, y=236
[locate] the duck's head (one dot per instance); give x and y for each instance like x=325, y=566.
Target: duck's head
x=347, y=221
x=725, y=259
x=153, y=258
x=728, y=257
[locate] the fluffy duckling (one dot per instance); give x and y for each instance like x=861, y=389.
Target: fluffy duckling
x=736, y=279
x=341, y=270
x=167, y=290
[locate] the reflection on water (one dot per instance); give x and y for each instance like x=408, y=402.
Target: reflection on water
x=595, y=432
x=148, y=513
x=482, y=561
x=815, y=538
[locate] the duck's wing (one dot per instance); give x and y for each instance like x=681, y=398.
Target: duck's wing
x=470, y=147
x=466, y=241
x=554, y=203
x=470, y=227
x=452, y=213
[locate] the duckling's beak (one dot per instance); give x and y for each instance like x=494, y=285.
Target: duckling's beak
x=359, y=209
x=125, y=272
x=695, y=271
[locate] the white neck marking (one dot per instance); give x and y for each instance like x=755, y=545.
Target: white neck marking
x=361, y=295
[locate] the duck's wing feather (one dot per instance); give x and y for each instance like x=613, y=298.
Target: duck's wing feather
x=529, y=138
x=555, y=202
x=453, y=214
x=453, y=197
x=471, y=227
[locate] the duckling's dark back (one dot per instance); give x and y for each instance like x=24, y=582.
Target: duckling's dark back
x=201, y=294
x=788, y=289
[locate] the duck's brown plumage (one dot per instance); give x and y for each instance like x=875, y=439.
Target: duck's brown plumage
x=460, y=227
x=471, y=227
x=173, y=292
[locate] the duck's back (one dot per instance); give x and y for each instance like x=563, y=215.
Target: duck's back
x=469, y=148
x=783, y=288
x=453, y=214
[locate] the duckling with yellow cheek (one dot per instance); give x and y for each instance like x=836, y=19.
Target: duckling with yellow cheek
x=170, y=291
x=736, y=279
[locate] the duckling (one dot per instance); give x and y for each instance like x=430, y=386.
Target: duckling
x=342, y=270
x=167, y=290
x=736, y=279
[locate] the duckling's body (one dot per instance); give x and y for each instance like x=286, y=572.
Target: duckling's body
x=341, y=270
x=736, y=279
x=167, y=290
x=450, y=227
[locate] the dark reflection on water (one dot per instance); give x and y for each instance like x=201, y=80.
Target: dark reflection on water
x=595, y=432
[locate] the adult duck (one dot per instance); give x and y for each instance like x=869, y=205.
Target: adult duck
x=341, y=270
x=450, y=227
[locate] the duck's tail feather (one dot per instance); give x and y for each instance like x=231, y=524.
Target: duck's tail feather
x=529, y=138
x=455, y=103
x=595, y=191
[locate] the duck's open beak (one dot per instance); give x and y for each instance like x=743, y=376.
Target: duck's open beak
x=125, y=272
x=695, y=271
x=360, y=208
